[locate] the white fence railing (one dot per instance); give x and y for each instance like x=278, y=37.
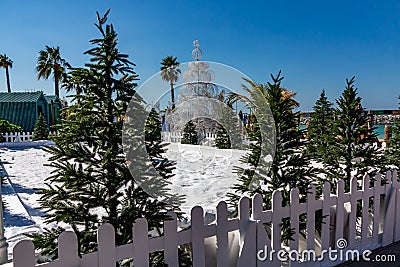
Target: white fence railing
x=207, y=138
x=19, y=137
x=367, y=217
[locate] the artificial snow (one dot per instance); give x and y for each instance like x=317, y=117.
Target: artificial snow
x=203, y=174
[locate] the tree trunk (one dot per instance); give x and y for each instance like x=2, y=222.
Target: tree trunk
x=172, y=95
x=349, y=155
x=56, y=85
x=113, y=146
x=8, y=80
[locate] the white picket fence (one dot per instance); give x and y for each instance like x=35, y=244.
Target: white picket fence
x=207, y=138
x=215, y=244
x=19, y=136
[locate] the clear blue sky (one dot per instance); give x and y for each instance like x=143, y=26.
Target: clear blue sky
x=316, y=44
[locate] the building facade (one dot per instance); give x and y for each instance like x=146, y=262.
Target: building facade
x=23, y=108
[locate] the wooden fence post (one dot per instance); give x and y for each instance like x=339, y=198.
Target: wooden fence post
x=378, y=190
x=17, y=138
x=198, y=249
x=171, y=255
x=340, y=212
x=263, y=240
x=310, y=222
x=355, y=195
x=396, y=184
x=390, y=209
x=68, y=249
x=140, y=243
x=326, y=215
x=222, y=235
x=276, y=220
x=367, y=193
x=294, y=221
x=257, y=207
x=106, y=245
x=24, y=254
x=248, y=235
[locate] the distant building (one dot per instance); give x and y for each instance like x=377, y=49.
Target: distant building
x=23, y=108
x=54, y=105
x=375, y=117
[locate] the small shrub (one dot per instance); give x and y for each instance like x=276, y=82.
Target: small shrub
x=7, y=127
x=41, y=131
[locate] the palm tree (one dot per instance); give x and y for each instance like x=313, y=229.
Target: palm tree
x=6, y=62
x=261, y=89
x=170, y=73
x=74, y=80
x=50, y=62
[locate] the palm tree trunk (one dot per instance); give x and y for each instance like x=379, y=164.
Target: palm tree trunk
x=8, y=80
x=172, y=95
x=56, y=88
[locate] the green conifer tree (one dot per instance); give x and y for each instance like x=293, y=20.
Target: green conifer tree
x=41, y=131
x=319, y=133
x=222, y=140
x=190, y=135
x=228, y=130
x=289, y=167
x=392, y=153
x=91, y=172
x=352, y=148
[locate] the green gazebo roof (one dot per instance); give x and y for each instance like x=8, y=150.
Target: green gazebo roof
x=20, y=96
x=20, y=108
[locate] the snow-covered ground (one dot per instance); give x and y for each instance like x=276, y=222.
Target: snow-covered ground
x=24, y=173
x=203, y=174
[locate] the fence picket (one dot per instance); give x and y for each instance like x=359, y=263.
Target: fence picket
x=25, y=250
x=248, y=232
x=355, y=195
x=294, y=218
x=222, y=235
x=106, y=245
x=378, y=190
x=25, y=136
x=248, y=251
x=276, y=235
x=257, y=207
x=327, y=202
x=310, y=222
x=264, y=245
x=68, y=249
x=171, y=256
x=367, y=192
x=140, y=243
x=340, y=211
x=198, y=249
x=263, y=240
x=244, y=215
x=295, y=212
x=396, y=182
x=390, y=207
